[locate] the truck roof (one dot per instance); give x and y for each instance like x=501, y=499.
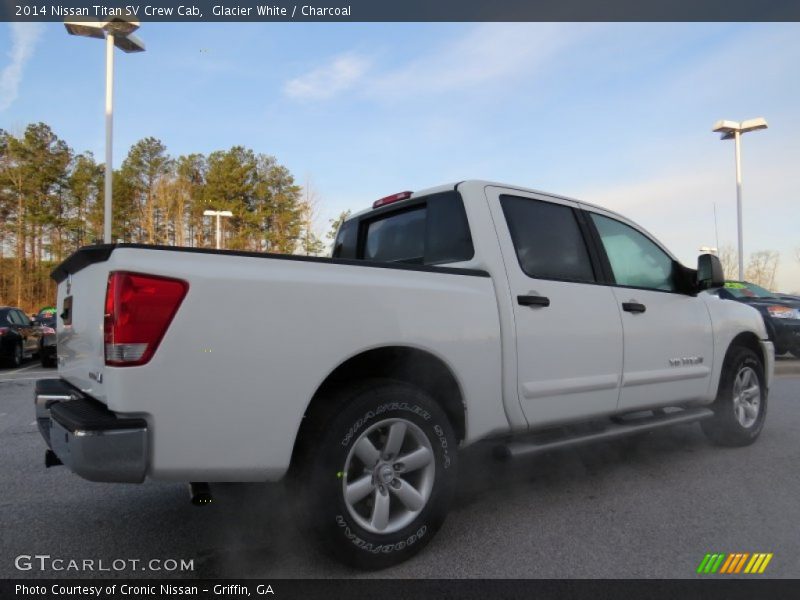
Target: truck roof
x=486, y=183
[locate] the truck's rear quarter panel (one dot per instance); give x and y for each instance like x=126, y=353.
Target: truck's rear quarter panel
x=254, y=339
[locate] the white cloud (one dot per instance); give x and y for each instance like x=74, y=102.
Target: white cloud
x=677, y=206
x=486, y=53
x=24, y=37
x=324, y=82
x=489, y=52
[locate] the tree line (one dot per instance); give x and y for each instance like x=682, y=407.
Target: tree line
x=51, y=203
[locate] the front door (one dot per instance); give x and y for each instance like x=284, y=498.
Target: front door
x=668, y=338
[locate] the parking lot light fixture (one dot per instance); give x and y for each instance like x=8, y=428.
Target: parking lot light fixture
x=734, y=130
x=218, y=214
x=118, y=32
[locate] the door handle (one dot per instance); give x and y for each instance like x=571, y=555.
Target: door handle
x=633, y=307
x=542, y=301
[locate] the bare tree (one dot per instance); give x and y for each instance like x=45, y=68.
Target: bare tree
x=309, y=243
x=729, y=260
x=761, y=268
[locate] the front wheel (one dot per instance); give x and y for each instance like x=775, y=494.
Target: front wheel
x=741, y=404
x=378, y=476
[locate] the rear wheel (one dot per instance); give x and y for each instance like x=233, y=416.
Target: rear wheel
x=376, y=478
x=47, y=360
x=16, y=355
x=741, y=404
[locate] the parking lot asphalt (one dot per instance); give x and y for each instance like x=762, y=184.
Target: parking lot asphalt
x=648, y=507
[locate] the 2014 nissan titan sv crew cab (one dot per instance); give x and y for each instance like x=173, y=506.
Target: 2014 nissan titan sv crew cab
x=475, y=311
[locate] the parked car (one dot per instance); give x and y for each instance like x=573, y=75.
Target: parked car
x=781, y=315
x=19, y=338
x=467, y=312
x=47, y=344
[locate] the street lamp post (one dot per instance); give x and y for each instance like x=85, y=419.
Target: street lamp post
x=733, y=130
x=218, y=214
x=118, y=32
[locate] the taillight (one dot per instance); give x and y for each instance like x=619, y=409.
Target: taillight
x=138, y=311
x=3, y=330
x=390, y=199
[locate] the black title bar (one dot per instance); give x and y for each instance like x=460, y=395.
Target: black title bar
x=731, y=588
x=406, y=10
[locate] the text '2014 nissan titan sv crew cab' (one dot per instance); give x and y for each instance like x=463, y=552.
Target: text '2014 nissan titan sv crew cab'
x=467, y=312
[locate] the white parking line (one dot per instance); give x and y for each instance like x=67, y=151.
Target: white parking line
x=18, y=379
x=20, y=369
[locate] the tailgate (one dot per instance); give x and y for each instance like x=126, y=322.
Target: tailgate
x=82, y=280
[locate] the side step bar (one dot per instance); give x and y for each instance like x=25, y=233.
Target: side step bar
x=615, y=429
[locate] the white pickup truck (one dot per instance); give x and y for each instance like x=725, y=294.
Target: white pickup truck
x=466, y=312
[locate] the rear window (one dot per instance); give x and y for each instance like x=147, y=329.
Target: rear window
x=4, y=317
x=431, y=230
x=397, y=238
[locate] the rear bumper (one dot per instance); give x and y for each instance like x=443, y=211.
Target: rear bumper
x=92, y=441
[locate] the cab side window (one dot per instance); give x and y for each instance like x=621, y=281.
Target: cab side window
x=636, y=260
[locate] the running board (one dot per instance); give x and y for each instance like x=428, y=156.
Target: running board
x=615, y=429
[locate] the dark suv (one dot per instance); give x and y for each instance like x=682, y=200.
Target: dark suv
x=781, y=314
x=19, y=338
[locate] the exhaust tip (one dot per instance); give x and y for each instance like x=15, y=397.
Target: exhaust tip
x=200, y=493
x=50, y=459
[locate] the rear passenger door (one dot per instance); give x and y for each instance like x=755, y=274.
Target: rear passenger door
x=668, y=338
x=568, y=327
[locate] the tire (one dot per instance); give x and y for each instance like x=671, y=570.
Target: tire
x=795, y=352
x=393, y=511
x=47, y=361
x=15, y=360
x=741, y=404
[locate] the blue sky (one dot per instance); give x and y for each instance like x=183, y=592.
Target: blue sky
x=616, y=114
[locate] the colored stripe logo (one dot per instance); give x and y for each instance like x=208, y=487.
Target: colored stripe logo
x=735, y=563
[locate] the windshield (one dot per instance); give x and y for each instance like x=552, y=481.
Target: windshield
x=747, y=290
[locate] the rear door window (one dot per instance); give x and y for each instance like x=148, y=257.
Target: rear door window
x=547, y=239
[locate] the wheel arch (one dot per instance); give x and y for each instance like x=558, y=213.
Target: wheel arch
x=412, y=365
x=750, y=340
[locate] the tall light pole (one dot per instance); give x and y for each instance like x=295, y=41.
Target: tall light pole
x=218, y=214
x=118, y=32
x=733, y=130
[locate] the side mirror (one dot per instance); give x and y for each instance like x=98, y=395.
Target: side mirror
x=709, y=272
